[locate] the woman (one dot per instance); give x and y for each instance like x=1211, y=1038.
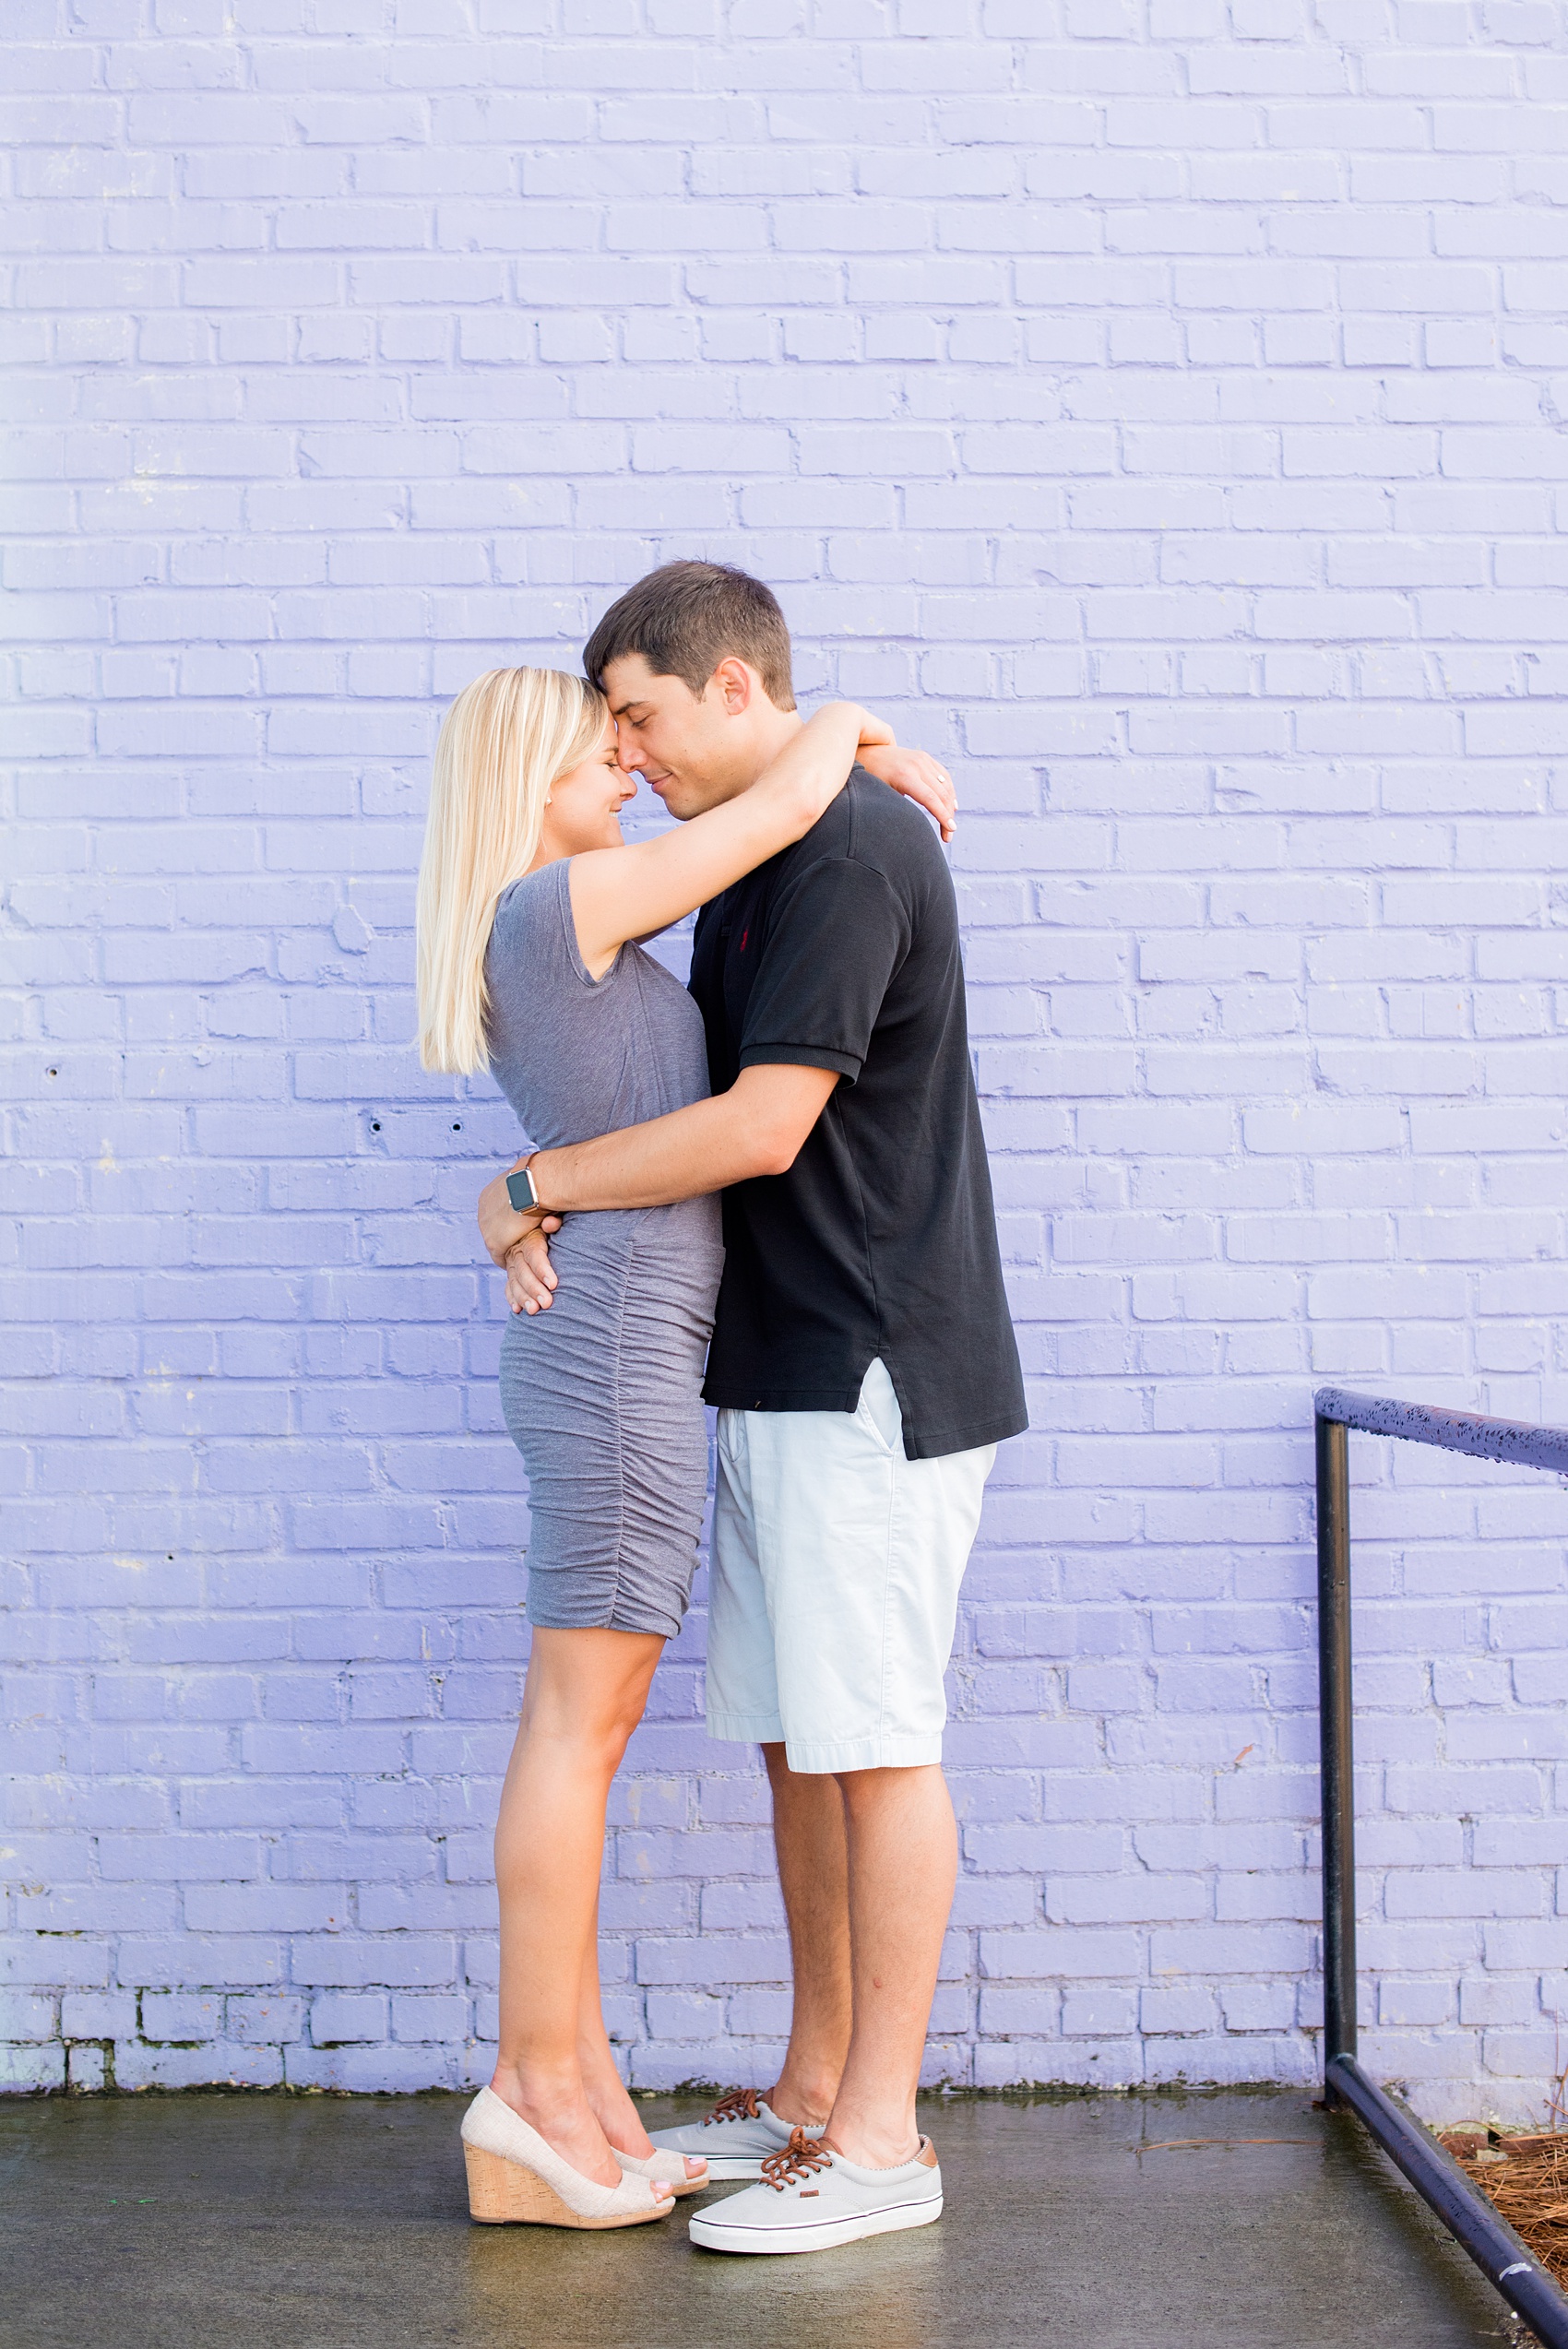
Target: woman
x=529, y=905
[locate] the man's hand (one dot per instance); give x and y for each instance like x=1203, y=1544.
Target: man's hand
x=529, y=1274
x=919, y=777
x=500, y=1225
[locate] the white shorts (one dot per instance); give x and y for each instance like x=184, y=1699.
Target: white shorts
x=834, y=1579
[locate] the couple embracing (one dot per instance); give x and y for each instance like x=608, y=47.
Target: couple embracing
x=770, y=1194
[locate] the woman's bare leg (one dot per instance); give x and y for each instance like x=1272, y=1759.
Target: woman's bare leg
x=612, y=2108
x=614, y=2111
x=584, y=1696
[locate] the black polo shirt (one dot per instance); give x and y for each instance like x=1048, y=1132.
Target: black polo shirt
x=842, y=952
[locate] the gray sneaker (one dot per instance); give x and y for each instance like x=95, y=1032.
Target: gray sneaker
x=811, y=2198
x=737, y=2137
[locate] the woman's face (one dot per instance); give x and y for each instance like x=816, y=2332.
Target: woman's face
x=584, y=808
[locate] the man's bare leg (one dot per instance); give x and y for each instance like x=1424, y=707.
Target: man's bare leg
x=810, y=1840
x=903, y=1853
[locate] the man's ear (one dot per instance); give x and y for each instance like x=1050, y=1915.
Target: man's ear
x=735, y=684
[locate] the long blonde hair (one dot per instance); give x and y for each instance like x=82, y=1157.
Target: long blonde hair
x=504, y=741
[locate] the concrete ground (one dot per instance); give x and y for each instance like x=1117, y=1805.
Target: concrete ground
x=1222, y=2221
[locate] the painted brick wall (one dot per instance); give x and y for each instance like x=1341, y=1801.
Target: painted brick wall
x=1156, y=405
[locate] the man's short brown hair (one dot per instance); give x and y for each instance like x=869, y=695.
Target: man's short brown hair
x=685, y=618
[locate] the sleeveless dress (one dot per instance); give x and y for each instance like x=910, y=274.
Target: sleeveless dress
x=603, y=1392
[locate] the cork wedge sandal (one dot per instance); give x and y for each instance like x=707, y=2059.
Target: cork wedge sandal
x=514, y=2178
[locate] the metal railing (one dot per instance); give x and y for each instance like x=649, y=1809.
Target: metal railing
x=1465, y=2213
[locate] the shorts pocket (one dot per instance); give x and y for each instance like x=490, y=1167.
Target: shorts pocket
x=878, y=1411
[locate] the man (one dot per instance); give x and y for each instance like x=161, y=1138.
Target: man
x=864, y=1370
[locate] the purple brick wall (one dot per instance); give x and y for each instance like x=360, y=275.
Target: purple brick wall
x=1156, y=405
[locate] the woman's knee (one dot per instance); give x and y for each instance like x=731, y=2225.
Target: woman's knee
x=587, y=1749
x=591, y=1685
x=579, y=1752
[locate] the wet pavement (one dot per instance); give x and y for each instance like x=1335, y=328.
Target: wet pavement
x=262, y=2222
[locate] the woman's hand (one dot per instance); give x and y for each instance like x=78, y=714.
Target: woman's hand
x=530, y=1277
x=500, y=1225
x=919, y=777
x=516, y=1241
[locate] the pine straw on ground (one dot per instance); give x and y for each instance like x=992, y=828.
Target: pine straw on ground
x=1529, y=2186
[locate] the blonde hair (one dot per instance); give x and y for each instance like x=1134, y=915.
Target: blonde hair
x=504, y=741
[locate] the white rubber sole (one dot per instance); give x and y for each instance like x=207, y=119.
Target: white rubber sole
x=707, y=2229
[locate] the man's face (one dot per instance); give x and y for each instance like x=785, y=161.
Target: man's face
x=693, y=750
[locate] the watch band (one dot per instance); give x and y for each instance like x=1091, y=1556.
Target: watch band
x=521, y=1189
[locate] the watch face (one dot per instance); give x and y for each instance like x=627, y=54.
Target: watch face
x=520, y=1191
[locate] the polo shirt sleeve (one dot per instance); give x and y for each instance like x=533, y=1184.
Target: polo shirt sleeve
x=833, y=945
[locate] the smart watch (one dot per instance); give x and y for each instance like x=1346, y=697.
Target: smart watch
x=521, y=1189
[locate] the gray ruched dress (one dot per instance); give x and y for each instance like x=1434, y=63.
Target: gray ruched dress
x=603, y=1392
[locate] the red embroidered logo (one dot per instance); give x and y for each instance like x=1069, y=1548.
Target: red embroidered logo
x=744, y=935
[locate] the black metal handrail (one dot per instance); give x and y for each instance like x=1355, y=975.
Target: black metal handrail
x=1465, y=2213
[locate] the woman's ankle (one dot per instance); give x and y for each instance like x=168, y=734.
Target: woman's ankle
x=532, y=2094
x=617, y=2115
x=559, y=2111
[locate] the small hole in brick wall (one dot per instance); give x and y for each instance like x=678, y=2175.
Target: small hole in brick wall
x=51, y=1072
x=456, y=1125
x=376, y=1125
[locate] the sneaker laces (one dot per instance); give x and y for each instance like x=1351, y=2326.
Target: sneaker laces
x=797, y=2161
x=736, y=2104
